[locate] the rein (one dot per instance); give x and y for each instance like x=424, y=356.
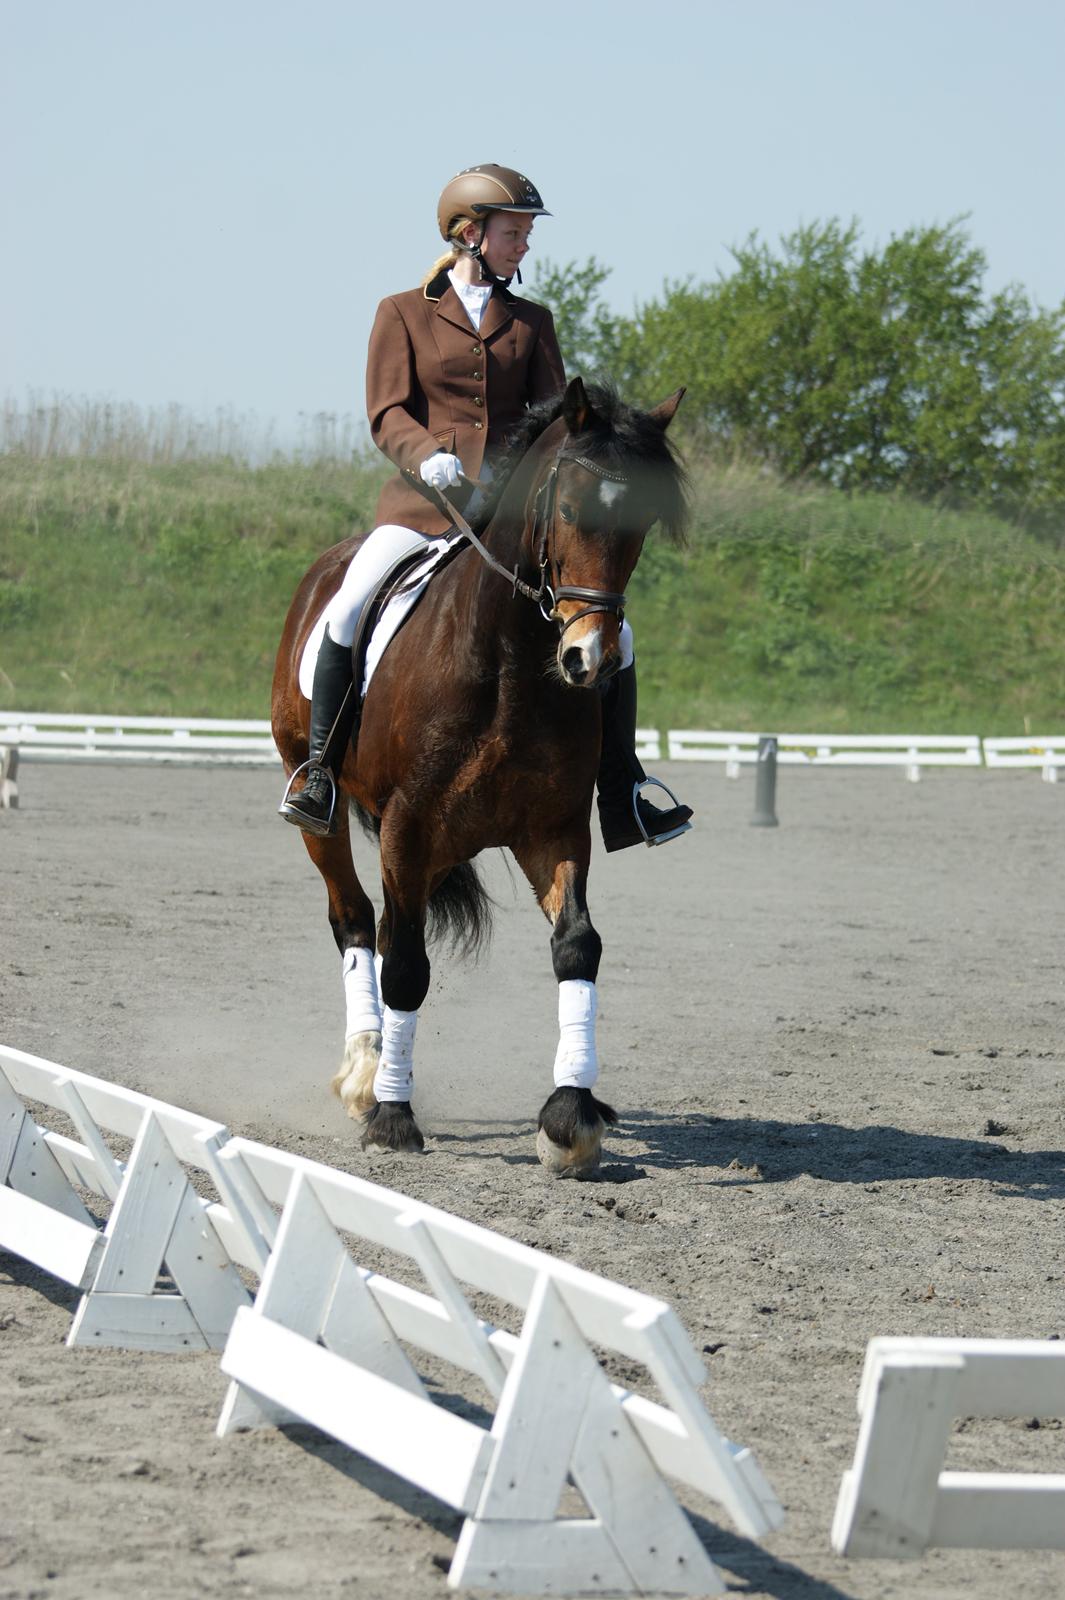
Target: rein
x=544, y=502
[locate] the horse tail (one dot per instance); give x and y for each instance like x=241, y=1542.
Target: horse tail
x=460, y=909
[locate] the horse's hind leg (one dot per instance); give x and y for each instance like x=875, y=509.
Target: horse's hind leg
x=569, y=1138
x=351, y=917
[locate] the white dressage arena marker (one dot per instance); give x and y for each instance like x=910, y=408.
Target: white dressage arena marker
x=157, y=1222
x=897, y=1501
x=8, y=778
x=324, y=1343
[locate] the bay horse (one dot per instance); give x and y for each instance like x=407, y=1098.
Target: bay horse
x=481, y=727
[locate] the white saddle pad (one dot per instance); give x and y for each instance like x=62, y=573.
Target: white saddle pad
x=387, y=623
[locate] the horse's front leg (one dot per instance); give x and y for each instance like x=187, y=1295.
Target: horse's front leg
x=569, y=1140
x=351, y=918
x=404, y=981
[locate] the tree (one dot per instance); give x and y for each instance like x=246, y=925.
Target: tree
x=587, y=330
x=868, y=369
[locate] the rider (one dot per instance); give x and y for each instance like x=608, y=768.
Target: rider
x=452, y=366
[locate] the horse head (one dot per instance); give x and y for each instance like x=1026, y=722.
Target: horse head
x=611, y=477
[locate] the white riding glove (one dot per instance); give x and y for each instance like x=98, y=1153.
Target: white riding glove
x=441, y=471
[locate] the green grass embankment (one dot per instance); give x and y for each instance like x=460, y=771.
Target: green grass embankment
x=133, y=588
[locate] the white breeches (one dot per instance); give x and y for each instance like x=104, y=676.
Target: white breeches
x=368, y=566
x=365, y=570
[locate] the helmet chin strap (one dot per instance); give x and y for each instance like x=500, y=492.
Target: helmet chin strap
x=487, y=275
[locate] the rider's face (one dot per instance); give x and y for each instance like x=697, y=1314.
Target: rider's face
x=506, y=242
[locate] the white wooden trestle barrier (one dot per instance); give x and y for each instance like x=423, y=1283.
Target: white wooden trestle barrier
x=324, y=1344
x=157, y=1225
x=897, y=1501
x=326, y=1339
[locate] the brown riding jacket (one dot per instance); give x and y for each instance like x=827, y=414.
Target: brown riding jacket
x=433, y=382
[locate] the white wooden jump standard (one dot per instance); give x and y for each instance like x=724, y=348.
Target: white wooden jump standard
x=157, y=1221
x=322, y=1344
x=897, y=1501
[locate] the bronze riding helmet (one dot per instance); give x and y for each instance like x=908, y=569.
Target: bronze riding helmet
x=476, y=191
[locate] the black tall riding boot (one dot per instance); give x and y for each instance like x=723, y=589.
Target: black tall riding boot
x=314, y=808
x=625, y=816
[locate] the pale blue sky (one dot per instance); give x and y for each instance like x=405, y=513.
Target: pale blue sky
x=204, y=202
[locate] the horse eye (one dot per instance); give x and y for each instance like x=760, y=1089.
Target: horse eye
x=566, y=511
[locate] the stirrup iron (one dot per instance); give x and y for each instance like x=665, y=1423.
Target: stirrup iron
x=318, y=830
x=661, y=838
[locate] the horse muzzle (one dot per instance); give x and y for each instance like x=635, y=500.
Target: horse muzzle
x=589, y=660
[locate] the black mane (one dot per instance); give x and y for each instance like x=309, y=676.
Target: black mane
x=620, y=436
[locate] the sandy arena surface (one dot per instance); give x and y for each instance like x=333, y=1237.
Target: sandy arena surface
x=837, y=1050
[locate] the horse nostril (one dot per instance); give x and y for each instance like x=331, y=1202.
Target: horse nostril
x=573, y=664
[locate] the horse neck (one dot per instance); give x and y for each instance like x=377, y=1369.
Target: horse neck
x=503, y=632
x=511, y=533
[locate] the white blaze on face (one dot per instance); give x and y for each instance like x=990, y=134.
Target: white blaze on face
x=589, y=644
x=610, y=493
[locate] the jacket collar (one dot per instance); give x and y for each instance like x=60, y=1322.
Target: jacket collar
x=497, y=313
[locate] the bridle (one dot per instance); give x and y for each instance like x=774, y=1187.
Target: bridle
x=547, y=596
x=545, y=502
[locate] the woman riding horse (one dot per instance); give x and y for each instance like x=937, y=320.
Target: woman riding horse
x=452, y=368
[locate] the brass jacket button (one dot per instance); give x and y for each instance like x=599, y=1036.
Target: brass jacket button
x=478, y=424
x=478, y=399
x=478, y=374
x=476, y=350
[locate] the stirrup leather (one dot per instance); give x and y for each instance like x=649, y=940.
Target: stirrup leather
x=661, y=838
x=291, y=813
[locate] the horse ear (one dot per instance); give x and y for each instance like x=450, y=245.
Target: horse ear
x=663, y=414
x=576, y=408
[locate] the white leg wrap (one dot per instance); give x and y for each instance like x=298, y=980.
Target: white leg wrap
x=576, y=1061
x=362, y=997
x=394, y=1079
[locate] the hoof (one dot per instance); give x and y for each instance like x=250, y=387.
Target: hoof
x=391, y=1126
x=353, y=1084
x=580, y=1162
x=569, y=1142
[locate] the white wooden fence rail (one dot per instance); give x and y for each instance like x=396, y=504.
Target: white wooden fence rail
x=179, y=741
x=897, y=1501
x=1047, y=754
x=212, y=741
x=911, y=751
x=325, y=1341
